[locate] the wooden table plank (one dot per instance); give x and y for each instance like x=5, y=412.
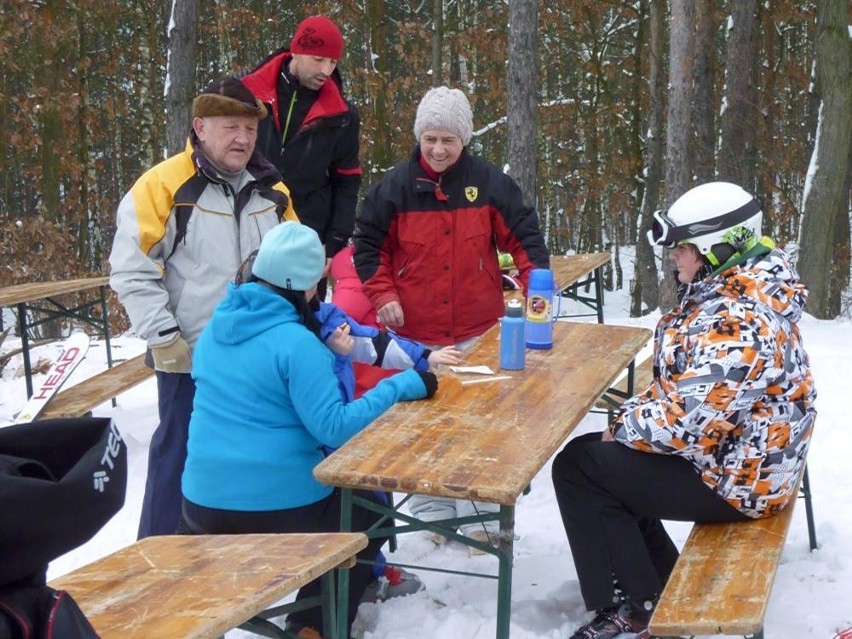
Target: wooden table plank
x=199, y=586
x=487, y=441
x=11, y=295
x=568, y=270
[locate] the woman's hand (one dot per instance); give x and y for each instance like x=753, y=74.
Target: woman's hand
x=391, y=314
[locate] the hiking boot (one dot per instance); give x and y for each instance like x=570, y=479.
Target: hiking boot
x=395, y=582
x=486, y=538
x=626, y=621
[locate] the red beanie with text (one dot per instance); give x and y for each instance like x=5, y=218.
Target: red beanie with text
x=318, y=36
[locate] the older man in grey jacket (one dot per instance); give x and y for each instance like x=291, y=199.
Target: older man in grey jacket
x=182, y=232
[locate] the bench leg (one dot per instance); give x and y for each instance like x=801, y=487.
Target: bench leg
x=809, y=509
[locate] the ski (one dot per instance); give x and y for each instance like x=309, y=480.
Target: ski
x=74, y=350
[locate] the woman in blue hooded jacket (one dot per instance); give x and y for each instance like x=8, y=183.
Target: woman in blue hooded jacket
x=267, y=401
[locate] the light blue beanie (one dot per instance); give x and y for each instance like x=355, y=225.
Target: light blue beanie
x=291, y=256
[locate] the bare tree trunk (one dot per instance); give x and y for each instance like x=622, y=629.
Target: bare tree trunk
x=740, y=119
x=437, y=42
x=826, y=198
x=522, y=83
x=647, y=297
x=678, y=167
x=704, y=116
x=180, y=83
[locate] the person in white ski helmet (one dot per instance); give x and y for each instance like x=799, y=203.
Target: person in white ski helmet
x=721, y=433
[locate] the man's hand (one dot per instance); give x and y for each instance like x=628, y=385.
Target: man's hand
x=340, y=341
x=391, y=314
x=173, y=356
x=448, y=356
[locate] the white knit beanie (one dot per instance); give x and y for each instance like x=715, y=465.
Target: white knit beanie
x=444, y=109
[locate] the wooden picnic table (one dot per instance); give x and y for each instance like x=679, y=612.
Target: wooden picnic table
x=201, y=586
x=44, y=298
x=573, y=273
x=483, y=441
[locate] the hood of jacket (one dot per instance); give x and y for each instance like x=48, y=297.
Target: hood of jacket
x=249, y=310
x=768, y=279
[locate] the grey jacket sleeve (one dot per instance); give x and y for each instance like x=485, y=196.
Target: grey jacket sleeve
x=138, y=275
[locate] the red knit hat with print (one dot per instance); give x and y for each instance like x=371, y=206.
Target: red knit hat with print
x=318, y=36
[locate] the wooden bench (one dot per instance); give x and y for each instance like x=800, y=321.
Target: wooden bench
x=201, y=586
x=80, y=399
x=722, y=580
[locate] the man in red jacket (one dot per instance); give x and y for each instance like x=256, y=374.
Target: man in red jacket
x=312, y=136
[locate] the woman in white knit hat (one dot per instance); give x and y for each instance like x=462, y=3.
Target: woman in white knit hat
x=426, y=243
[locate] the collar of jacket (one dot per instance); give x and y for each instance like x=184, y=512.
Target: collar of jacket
x=262, y=81
x=423, y=182
x=261, y=170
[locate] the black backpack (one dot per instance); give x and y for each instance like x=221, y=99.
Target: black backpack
x=60, y=481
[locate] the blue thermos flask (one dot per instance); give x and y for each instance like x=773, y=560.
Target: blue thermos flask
x=540, y=309
x=512, y=350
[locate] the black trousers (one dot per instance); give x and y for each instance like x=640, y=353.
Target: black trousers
x=612, y=499
x=322, y=516
x=167, y=456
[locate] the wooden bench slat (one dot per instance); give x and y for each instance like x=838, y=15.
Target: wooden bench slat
x=722, y=580
x=200, y=586
x=81, y=398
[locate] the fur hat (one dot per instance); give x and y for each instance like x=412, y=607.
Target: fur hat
x=227, y=96
x=318, y=36
x=291, y=257
x=444, y=109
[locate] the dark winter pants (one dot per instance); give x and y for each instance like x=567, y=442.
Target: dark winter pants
x=612, y=499
x=167, y=455
x=322, y=516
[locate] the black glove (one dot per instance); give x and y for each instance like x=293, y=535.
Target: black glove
x=430, y=381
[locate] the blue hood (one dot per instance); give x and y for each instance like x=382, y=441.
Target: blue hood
x=248, y=310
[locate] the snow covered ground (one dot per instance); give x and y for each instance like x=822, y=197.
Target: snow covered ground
x=812, y=596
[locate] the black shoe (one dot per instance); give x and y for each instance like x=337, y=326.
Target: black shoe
x=620, y=622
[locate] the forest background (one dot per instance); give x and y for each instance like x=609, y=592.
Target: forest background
x=603, y=111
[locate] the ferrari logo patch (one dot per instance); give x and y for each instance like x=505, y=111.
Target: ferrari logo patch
x=470, y=192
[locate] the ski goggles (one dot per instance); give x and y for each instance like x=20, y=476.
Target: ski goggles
x=663, y=231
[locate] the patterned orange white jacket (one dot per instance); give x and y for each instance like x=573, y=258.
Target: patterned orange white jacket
x=732, y=389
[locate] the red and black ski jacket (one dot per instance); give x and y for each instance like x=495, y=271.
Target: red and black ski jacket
x=319, y=163
x=432, y=246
